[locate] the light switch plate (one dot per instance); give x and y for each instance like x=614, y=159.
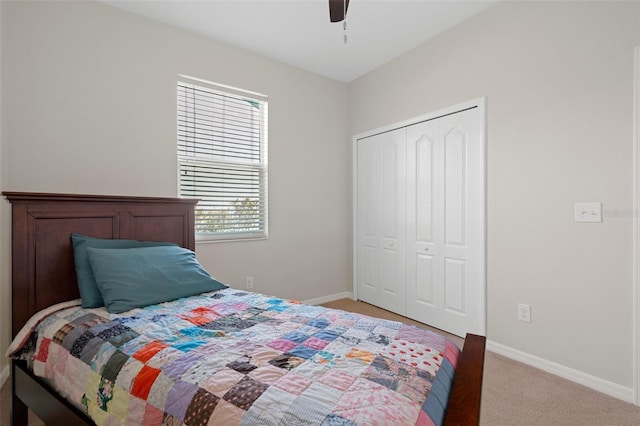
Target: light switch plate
x=589, y=212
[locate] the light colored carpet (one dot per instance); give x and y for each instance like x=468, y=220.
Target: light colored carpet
x=513, y=394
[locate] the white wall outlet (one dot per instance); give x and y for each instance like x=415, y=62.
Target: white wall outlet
x=589, y=212
x=524, y=312
x=249, y=283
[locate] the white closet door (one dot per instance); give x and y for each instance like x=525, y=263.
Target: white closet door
x=445, y=223
x=381, y=220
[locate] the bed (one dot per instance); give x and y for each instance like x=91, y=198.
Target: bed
x=43, y=274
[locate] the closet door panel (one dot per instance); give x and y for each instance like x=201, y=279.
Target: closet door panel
x=445, y=190
x=455, y=179
x=368, y=241
x=454, y=286
x=424, y=266
x=424, y=274
x=423, y=190
x=381, y=220
x=392, y=209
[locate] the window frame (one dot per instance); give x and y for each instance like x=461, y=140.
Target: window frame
x=261, y=167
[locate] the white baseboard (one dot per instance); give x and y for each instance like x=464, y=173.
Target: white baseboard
x=612, y=389
x=329, y=298
x=4, y=375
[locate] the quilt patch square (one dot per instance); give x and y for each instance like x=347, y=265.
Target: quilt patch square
x=143, y=382
x=282, y=345
x=147, y=352
x=305, y=411
x=128, y=372
x=229, y=324
x=380, y=339
x=180, y=365
x=319, y=322
x=229, y=308
x=242, y=365
x=102, y=356
x=326, y=359
x=201, y=408
x=324, y=395
x=315, y=343
x=263, y=355
x=164, y=357
x=296, y=337
x=135, y=411
x=159, y=391
x=327, y=335
x=287, y=361
x=226, y=414
x=112, y=368
x=269, y=408
x=152, y=416
x=179, y=399
x=119, y=404
x=245, y=392
x=118, y=335
x=222, y=381
x=417, y=335
x=88, y=320
x=336, y=420
x=56, y=361
x=361, y=355
x=340, y=380
x=372, y=404
x=43, y=351
x=90, y=349
x=201, y=315
x=414, y=354
x=401, y=378
x=302, y=351
x=366, y=324
x=76, y=339
x=267, y=374
x=293, y=383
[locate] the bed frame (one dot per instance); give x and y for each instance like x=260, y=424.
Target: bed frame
x=43, y=273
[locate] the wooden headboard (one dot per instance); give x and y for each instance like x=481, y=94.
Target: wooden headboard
x=43, y=269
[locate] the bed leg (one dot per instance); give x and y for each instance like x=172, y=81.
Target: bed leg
x=19, y=412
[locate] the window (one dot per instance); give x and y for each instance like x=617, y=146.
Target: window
x=222, y=159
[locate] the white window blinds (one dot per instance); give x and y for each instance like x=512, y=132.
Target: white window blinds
x=222, y=159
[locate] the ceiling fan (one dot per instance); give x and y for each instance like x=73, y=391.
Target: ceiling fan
x=338, y=10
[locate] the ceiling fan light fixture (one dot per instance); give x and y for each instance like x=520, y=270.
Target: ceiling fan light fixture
x=338, y=10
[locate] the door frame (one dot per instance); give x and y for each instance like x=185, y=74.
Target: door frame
x=481, y=105
x=636, y=227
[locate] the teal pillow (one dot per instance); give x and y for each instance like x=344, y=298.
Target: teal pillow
x=91, y=297
x=137, y=277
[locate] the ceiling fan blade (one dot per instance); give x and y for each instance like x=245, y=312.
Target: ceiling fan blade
x=337, y=9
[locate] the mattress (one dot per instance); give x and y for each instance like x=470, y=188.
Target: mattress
x=234, y=357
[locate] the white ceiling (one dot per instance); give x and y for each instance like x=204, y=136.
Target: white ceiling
x=298, y=32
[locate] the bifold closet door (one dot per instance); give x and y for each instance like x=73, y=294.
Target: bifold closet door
x=445, y=223
x=381, y=206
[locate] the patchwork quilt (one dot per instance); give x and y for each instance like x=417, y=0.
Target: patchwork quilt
x=233, y=357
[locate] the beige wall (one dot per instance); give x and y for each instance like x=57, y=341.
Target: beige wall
x=558, y=77
x=92, y=99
